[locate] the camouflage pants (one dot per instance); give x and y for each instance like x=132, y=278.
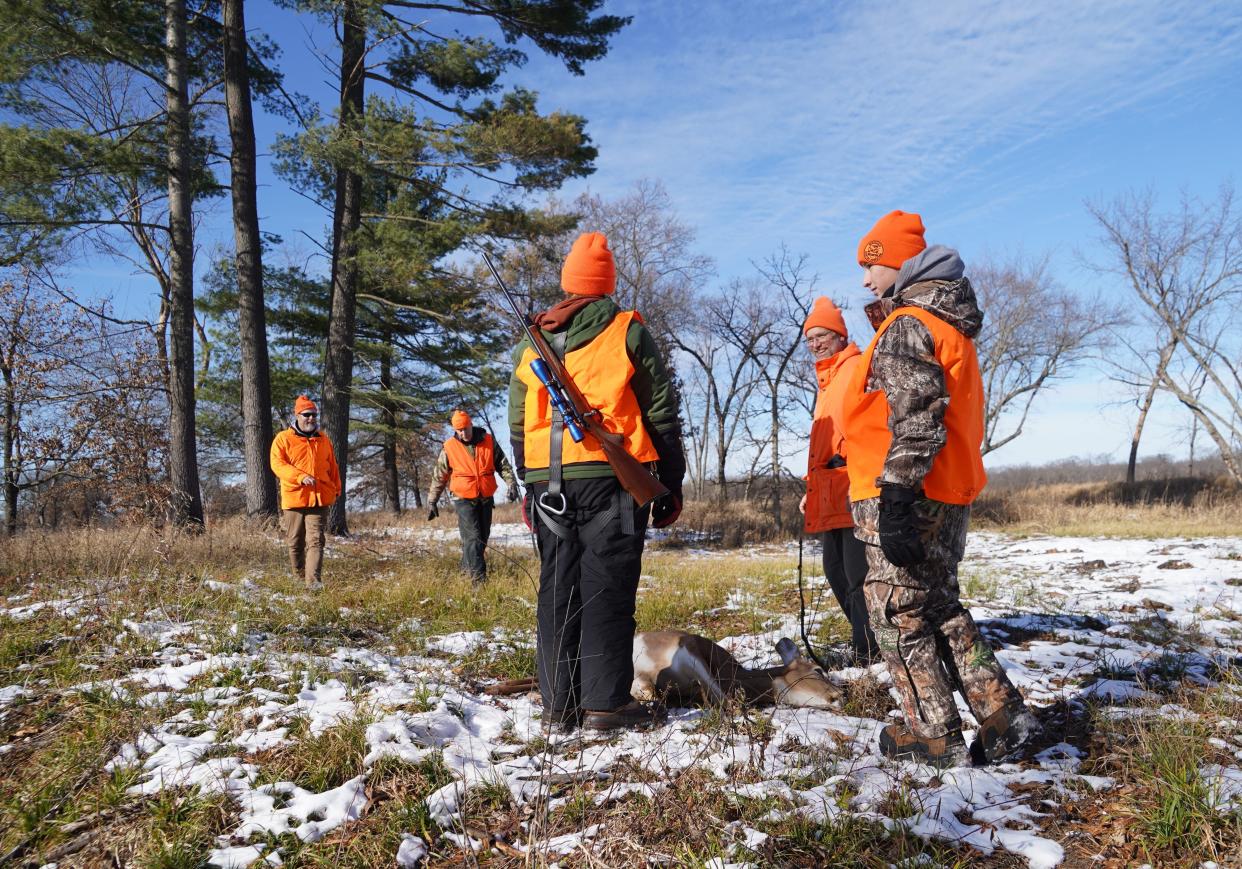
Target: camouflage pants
x=928, y=640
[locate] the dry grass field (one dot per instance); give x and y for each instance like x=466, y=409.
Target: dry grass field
x=166, y=699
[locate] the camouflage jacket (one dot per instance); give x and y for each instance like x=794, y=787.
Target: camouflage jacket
x=904, y=364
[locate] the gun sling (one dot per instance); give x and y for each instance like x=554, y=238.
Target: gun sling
x=623, y=504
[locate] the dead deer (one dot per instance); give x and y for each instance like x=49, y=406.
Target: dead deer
x=685, y=668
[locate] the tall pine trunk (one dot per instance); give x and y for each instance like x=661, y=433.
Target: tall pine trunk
x=256, y=384
x=388, y=418
x=187, y=502
x=339, y=363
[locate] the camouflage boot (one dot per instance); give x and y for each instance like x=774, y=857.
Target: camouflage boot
x=899, y=743
x=1003, y=734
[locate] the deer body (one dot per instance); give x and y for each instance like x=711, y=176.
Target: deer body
x=687, y=668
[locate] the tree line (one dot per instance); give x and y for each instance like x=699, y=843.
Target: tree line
x=110, y=146
x=123, y=120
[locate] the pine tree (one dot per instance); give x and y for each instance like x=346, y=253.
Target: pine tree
x=438, y=130
x=97, y=153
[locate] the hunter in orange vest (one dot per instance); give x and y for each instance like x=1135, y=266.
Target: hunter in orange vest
x=826, y=504
x=913, y=415
x=467, y=464
x=304, y=462
x=590, y=530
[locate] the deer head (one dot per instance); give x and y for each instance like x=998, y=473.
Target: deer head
x=800, y=682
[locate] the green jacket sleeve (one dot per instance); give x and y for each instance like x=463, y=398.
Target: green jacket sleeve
x=651, y=384
x=653, y=388
x=517, y=413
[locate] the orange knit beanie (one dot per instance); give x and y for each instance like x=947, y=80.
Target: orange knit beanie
x=826, y=315
x=589, y=269
x=895, y=238
x=461, y=419
x=303, y=403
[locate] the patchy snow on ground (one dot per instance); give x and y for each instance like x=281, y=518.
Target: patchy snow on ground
x=502, y=534
x=1062, y=613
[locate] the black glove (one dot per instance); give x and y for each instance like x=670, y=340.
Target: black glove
x=514, y=494
x=666, y=509
x=900, y=532
x=433, y=512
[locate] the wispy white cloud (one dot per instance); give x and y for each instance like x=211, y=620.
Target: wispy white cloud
x=801, y=122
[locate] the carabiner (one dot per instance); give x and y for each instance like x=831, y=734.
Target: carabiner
x=544, y=504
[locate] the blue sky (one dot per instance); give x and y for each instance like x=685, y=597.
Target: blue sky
x=802, y=122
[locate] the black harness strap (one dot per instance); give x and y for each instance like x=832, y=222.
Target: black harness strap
x=557, y=438
x=622, y=505
x=548, y=510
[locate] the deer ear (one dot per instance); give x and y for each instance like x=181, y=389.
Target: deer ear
x=788, y=650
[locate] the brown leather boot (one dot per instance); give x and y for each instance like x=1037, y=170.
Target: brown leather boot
x=898, y=743
x=1003, y=734
x=562, y=720
x=631, y=716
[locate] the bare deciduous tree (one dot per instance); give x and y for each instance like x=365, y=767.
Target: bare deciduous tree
x=720, y=348
x=1184, y=268
x=787, y=304
x=658, y=272
x=84, y=410
x=40, y=340
x=1034, y=333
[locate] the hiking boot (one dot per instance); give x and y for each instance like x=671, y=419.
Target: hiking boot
x=1003, y=734
x=632, y=716
x=898, y=743
x=562, y=721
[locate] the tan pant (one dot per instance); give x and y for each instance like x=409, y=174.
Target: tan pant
x=304, y=534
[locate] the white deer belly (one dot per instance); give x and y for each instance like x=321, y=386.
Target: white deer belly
x=682, y=673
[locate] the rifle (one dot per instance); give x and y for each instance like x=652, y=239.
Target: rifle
x=581, y=419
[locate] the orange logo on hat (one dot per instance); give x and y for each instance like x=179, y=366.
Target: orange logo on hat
x=873, y=251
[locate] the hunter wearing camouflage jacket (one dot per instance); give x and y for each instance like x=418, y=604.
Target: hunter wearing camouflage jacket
x=928, y=640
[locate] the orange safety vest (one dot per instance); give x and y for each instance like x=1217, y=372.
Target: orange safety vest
x=956, y=475
x=472, y=476
x=827, y=489
x=601, y=369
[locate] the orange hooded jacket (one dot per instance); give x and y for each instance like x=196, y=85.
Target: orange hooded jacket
x=295, y=455
x=827, y=489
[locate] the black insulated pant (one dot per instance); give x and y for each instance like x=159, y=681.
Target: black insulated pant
x=845, y=565
x=588, y=588
x=474, y=524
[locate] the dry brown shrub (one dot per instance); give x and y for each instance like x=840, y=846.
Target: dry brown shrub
x=127, y=550
x=1175, y=506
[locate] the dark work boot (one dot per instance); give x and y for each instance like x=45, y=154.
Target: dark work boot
x=1003, y=734
x=898, y=743
x=563, y=720
x=631, y=716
